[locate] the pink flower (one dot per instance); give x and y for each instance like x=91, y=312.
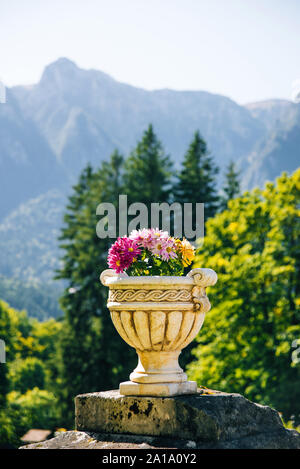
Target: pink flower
x=148, y=238
x=169, y=250
x=165, y=248
x=156, y=233
x=157, y=248
x=142, y=237
x=122, y=253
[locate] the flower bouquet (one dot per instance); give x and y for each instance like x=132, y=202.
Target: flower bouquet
x=155, y=307
x=150, y=252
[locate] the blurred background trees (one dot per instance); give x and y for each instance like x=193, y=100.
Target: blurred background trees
x=147, y=171
x=196, y=181
x=28, y=378
x=247, y=341
x=231, y=188
x=245, y=345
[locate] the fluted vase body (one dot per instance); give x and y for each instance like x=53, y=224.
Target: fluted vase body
x=158, y=316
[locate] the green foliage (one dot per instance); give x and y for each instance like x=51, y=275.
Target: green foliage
x=148, y=171
x=46, y=334
x=31, y=362
x=26, y=373
x=231, y=187
x=10, y=332
x=196, y=182
x=291, y=425
x=7, y=333
x=8, y=434
x=149, y=264
x=37, y=408
x=246, y=342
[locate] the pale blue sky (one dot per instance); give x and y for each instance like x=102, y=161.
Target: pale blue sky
x=248, y=50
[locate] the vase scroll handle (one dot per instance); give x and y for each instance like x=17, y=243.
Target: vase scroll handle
x=203, y=277
x=109, y=273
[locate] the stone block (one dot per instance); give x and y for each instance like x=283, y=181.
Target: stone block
x=205, y=420
x=208, y=416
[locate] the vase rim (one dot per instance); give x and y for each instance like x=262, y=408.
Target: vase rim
x=200, y=276
x=150, y=279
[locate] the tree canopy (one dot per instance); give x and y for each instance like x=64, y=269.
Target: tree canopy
x=246, y=343
x=196, y=181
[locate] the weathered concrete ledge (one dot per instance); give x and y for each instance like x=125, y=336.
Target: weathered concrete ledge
x=208, y=419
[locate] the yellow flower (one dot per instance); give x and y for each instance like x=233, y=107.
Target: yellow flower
x=186, y=250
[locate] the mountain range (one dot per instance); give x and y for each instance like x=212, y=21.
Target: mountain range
x=50, y=130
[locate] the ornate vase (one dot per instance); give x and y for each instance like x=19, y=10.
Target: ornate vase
x=158, y=316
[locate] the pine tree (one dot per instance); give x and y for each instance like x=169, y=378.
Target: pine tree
x=231, y=188
x=196, y=182
x=111, y=172
x=93, y=356
x=148, y=171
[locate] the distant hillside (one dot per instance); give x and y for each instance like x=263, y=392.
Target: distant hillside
x=30, y=255
x=85, y=114
x=27, y=164
x=28, y=238
x=279, y=149
x=276, y=114
x=39, y=300
x=50, y=130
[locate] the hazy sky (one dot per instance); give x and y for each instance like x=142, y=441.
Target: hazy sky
x=248, y=50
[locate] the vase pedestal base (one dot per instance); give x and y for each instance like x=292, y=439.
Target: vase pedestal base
x=128, y=388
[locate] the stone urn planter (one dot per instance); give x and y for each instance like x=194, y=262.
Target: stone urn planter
x=158, y=316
